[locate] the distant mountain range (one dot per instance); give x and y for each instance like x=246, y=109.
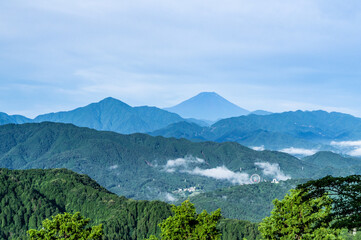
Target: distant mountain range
x=300, y=129
x=109, y=114
x=208, y=106
x=312, y=130
x=18, y=119
x=114, y=115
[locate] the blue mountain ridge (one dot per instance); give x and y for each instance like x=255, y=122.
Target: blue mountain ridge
x=207, y=106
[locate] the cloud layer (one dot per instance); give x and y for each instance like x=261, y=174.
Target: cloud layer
x=189, y=165
x=259, y=54
x=352, y=148
x=222, y=173
x=299, y=151
x=273, y=170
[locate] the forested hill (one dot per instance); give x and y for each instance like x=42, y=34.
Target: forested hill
x=251, y=202
x=30, y=196
x=140, y=166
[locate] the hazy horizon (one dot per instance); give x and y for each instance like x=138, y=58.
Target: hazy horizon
x=70, y=109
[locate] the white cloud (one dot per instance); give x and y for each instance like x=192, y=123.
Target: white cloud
x=259, y=148
x=169, y=197
x=352, y=148
x=299, y=151
x=347, y=143
x=222, y=173
x=273, y=170
x=113, y=167
x=355, y=153
x=182, y=163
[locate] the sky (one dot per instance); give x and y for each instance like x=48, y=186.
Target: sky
x=275, y=55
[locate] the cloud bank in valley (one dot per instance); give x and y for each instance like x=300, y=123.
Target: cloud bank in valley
x=173, y=165
x=222, y=173
x=273, y=170
x=299, y=151
x=352, y=148
x=189, y=165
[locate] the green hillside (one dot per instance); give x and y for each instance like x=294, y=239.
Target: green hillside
x=251, y=202
x=138, y=165
x=30, y=196
x=330, y=159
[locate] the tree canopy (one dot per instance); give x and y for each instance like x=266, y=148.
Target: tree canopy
x=187, y=224
x=293, y=218
x=67, y=226
x=346, y=195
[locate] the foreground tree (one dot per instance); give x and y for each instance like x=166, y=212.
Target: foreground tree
x=67, y=226
x=187, y=224
x=346, y=195
x=293, y=218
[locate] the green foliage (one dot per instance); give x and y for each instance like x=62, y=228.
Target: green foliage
x=346, y=195
x=293, y=218
x=27, y=197
x=233, y=229
x=331, y=159
x=350, y=235
x=187, y=224
x=251, y=202
x=69, y=226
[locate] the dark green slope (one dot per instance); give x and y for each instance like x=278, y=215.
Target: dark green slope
x=135, y=165
x=30, y=196
x=251, y=202
x=114, y=115
x=330, y=159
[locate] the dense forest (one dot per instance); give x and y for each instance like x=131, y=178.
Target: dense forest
x=30, y=196
x=134, y=165
x=251, y=202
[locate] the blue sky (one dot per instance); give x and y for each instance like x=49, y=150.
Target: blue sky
x=275, y=55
